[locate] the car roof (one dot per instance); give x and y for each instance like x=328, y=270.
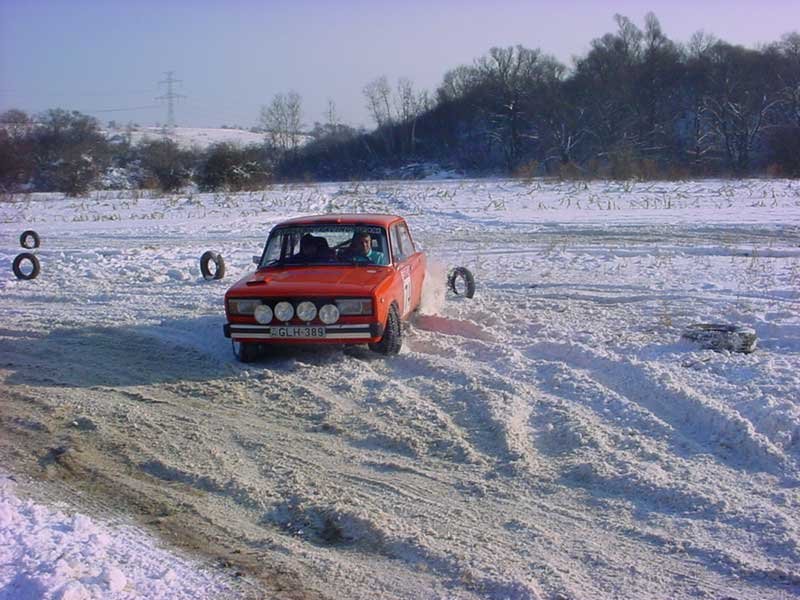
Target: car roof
x=344, y=219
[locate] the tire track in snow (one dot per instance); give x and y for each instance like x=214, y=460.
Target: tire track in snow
x=491, y=409
x=706, y=421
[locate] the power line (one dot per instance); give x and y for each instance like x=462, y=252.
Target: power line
x=170, y=97
x=84, y=93
x=108, y=110
x=215, y=113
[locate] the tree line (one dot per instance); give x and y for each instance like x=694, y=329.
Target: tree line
x=636, y=105
x=66, y=151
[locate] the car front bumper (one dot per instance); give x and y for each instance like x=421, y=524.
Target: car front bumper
x=345, y=333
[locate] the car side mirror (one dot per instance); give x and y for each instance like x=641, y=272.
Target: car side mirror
x=256, y=259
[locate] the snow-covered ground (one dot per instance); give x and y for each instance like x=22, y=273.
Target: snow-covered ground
x=193, y=137
x=551, y=438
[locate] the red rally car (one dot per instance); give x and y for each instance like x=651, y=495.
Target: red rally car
x=343, y=279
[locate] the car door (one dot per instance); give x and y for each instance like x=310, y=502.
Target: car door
x=404, y=268
x=416, y=265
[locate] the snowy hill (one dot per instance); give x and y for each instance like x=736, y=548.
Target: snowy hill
x=189, y=137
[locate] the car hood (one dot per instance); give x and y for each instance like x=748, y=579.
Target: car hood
x=312, y=281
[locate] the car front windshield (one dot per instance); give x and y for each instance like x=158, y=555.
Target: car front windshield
x=326, y=245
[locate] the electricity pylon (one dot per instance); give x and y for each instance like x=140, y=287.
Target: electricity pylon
x=170, y=97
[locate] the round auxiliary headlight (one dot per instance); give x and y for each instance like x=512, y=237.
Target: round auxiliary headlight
x=306, y=311
x=329, y=314
x=263, y=314
x=284, y=311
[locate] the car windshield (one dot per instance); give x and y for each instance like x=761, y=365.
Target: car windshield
x=326, y=244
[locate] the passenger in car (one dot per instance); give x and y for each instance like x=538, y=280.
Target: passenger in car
x=307, y=252
x=324, y=251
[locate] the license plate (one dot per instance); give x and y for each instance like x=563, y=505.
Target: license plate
x=297, y=332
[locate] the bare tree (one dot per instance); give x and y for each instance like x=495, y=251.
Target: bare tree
x=282, y=121
x=331, y=116
x=789, y=74
x=457, y=83
x=331, y=130
x=379, y=101
x=609, y=70
x=657, y=78
x=566, y=118
x=700, y=43
x=405, y=100
x=15, y=121
x=410, y=105
x=739, y=102
x=512, y=76
x=378, y=94
x=698, y=141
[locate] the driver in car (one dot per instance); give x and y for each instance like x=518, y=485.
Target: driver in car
x=361, y=249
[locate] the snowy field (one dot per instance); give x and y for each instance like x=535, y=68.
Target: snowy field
x=552, y=438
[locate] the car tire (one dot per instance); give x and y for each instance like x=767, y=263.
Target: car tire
x=17, y=266
x=219, y=265
x=29, y=239
x=722, y=336
x=461, y=282
x=247, y=352
x=392, y=339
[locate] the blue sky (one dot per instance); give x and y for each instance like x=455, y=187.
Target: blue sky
x=232, y=57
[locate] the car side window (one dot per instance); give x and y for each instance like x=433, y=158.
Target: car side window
x=406, y=242
x=397, y=249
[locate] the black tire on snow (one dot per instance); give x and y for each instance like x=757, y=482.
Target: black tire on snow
x=469, y=282
x=29, y=239
x=16, y=266
x=247, y=353
x=219, y=264
x=392, y=339
x=722, y=336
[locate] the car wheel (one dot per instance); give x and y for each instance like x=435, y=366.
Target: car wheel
x=246, y=352
x=219, y=265
x=461, y=282
x=17, y=266
x=29, y=239
x=392, y=339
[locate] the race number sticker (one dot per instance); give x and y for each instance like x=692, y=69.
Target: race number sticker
x=406, y=273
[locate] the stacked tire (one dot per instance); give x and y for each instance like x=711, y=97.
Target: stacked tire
x=29, y=240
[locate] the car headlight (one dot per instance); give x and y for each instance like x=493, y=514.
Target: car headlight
x=263, y=314
x=354, y=306
x=243, y=306
x=306, y=311
x=329, y=314
x=284, y=311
